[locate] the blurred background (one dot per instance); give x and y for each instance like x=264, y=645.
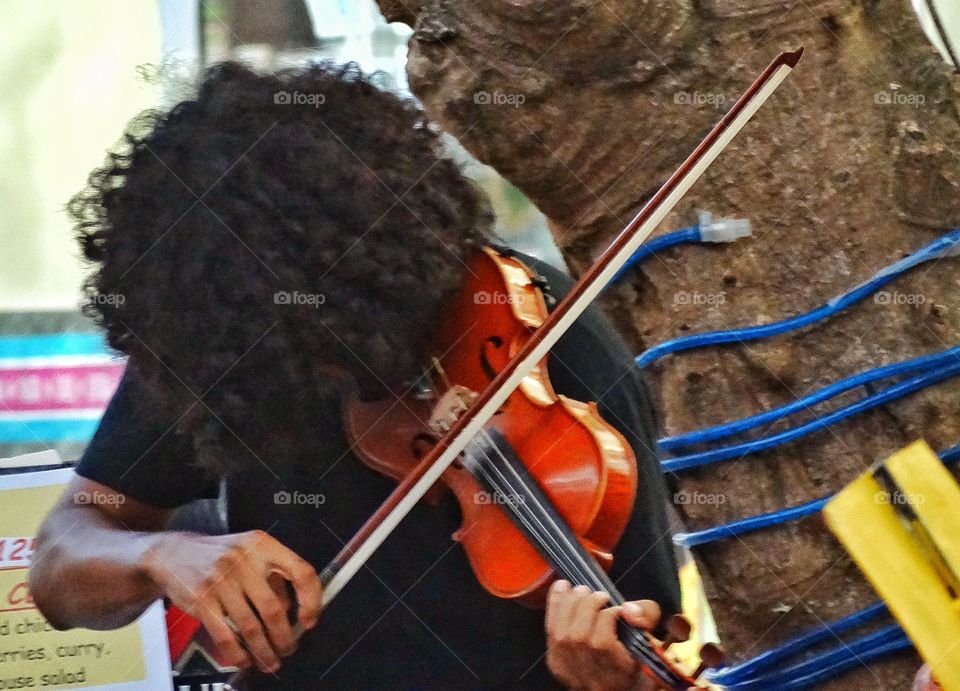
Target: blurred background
x=74, y=74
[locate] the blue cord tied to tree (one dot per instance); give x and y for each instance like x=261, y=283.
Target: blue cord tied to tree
x=826, y=665
x=771, y=669
x=707, y=230
x=899, y=390
x=924, y=363
x=891, y=393
x=724, y=531
x=946, y=246
x=771, y=659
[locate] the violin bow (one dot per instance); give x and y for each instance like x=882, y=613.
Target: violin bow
x=405, y=496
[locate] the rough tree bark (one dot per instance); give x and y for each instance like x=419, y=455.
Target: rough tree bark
x=837, y=182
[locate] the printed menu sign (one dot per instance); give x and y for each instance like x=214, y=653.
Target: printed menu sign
x=35, y=656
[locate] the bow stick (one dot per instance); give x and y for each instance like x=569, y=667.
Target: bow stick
x=406, y=494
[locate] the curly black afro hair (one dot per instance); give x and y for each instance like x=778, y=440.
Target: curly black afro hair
x=274, y=241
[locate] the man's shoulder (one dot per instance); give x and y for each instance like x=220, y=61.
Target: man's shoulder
x=137, y=453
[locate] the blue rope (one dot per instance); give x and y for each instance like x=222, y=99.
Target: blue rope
x=689, y=235
x=708, y=230
x=898, y=390
x=794, y=646
x=920, y=364
x=927, y=371
x=831, y=663
x=945, y=246
x=951, y=455
x=747, y=525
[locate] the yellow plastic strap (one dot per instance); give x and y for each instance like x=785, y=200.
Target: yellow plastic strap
x=892, y=558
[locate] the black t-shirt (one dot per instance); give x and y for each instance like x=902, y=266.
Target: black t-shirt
x=415, y=617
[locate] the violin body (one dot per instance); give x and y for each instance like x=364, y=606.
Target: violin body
x=585, y=466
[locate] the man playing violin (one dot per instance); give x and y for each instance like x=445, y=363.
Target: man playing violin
x=273, y=255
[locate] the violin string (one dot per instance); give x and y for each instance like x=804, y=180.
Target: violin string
x=547, y=540
x=558, y=552
x=587, y=567
x=582, y=564
x=568, y=548
x=638, y=644
x=543, y=531
x=591, y=572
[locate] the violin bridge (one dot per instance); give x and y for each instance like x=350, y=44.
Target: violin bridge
x=900, y=524
x=449, y=406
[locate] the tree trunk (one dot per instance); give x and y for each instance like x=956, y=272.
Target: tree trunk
x=587, y=106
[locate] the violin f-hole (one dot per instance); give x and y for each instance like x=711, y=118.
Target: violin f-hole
x=488, y=369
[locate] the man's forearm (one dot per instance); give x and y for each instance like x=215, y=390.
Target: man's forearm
x=89, y=571
x=100, y=566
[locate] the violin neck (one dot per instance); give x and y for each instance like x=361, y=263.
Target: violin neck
x=493, y=463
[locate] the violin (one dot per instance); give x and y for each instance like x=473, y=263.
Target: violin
x=545, y=485
x=538, y=440
x=547, y=488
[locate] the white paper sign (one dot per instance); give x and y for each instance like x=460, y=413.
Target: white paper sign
x=32, y=654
